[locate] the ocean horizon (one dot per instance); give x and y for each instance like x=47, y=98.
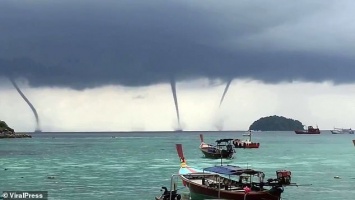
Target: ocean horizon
x=135, y=165
x=325, y=131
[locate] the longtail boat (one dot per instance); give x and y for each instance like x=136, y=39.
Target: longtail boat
x=231, y=182
x=222, y=149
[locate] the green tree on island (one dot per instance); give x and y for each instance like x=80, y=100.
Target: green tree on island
x=7, y=132
x=4, y=126
x=276, y=123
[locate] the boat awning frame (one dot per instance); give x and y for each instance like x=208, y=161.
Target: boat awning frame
x=231, y=170
x=223, y=140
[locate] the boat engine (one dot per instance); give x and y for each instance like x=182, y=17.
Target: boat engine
x=166, y=195
x=283, y=177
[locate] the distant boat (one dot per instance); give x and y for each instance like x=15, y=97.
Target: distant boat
x=342, y=131
x=223, y=148
x=310, y=130
x=178, y=130
x=247, y=133
x=247, y=143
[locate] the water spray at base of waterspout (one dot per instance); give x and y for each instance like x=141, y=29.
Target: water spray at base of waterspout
x=38, y=129
x=219, y=125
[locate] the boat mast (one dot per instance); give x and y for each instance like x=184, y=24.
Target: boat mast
x=220, y=150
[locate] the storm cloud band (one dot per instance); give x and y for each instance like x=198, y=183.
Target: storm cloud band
x=88, y=43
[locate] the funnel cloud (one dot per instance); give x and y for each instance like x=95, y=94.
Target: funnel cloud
x=225, y=91
x=38, y=129
x=173, y=89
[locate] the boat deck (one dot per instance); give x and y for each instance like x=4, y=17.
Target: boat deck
x=220, y=185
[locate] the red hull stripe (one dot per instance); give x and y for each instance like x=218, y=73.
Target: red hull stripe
x=191, y=170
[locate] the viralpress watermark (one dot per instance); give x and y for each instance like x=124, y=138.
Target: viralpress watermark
x=25, y=195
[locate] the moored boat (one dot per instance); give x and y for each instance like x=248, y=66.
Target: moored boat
x=342, y=131
x=222, y=149
x=310, y=130
x=168, y=195
x=232, y=182
x=247, y=143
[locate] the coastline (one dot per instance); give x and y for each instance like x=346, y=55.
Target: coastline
x=14, y=135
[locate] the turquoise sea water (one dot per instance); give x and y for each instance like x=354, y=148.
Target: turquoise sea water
x=136, y=165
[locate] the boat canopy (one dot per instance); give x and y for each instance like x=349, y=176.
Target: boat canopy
x=223, y=140
x=231, y=170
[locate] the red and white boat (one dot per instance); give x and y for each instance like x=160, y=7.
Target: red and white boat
x=247, y=143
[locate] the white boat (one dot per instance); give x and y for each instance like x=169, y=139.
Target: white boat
x=247, y=133
x=342, y=131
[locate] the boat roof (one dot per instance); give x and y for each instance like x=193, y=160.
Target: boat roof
x=231, y=170
x=223, y=140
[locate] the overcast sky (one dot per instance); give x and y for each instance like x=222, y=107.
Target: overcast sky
x=110, y=61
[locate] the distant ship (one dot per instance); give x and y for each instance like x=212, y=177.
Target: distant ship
x=310, y=130
x=178, y=130
x=341, y=131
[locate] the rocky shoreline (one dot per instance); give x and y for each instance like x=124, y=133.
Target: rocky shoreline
x=9, y=134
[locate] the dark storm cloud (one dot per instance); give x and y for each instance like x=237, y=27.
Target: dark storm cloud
x=90, y=43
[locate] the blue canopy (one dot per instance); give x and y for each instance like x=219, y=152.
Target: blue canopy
x=230, y=170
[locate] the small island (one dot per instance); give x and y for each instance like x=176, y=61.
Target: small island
x=7, y=132
x=276, y=123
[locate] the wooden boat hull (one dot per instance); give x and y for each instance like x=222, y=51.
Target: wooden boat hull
x=201, y=192
x=209, y=153
x=307, y=132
